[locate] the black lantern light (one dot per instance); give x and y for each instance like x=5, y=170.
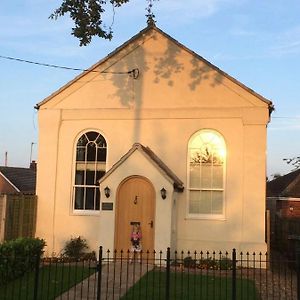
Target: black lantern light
x=107, y=192
x=163, y=193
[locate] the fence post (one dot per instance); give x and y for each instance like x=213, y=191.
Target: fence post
x=99, y=271
x=168, y=274
x=36, y=276
x=234, y=274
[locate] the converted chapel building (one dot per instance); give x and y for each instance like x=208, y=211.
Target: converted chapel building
x=153, y=134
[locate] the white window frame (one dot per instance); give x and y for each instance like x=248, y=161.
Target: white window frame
x=74, y=185
x=207, y=216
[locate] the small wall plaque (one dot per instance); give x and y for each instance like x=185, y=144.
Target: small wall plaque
x=107, y=206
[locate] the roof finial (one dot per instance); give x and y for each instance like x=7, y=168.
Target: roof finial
x=150, y=15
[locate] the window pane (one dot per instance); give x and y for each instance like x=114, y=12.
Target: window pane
x=79, y=178
x=92, y=135
x=99, y=175
x=82, y=141
x=217, y=202
x=200, y=202
x=97, y=199
x=205, y=202
x=194, y=202
x=195, y=156
x=80, y=154
x=194, y=175
x=101, y=141
x=89, y=201
x=90, y=177
x=101, y=154
x=206, y=176
x=91, y=152
x=217, y=177
x=79, y=198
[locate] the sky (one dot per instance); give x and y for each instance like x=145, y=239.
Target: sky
x=255, y=41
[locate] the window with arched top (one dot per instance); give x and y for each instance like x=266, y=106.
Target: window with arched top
x=90, y=166
x=206, y=174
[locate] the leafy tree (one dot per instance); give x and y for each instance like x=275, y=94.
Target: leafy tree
x=87, y=16
x=293, y=161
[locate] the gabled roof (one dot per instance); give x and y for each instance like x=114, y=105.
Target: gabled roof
x=285, y=186
x=154, y=159
x=22, y=179
x=152, y=27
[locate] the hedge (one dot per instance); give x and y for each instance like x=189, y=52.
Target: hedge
x=18, y=257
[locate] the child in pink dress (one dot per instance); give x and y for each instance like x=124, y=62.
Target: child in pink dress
x=135, y=238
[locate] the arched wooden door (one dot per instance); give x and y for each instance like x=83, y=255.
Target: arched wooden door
x=135, y=203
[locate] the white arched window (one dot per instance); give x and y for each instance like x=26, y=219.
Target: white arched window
x=206, y=166
x=90, y=167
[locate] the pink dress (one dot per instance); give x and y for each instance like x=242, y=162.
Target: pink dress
x=136, y=241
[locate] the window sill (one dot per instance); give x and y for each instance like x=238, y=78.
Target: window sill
x=206, y=217
x=85, y=213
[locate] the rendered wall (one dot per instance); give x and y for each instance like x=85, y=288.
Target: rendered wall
x=175, y=95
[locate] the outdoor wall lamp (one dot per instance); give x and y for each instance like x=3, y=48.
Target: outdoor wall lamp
x=291, y=208
x=163, y=193
x=107, y=192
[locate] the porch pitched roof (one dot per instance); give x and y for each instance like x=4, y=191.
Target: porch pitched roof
x=154, y=159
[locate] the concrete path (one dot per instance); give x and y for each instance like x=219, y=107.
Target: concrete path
x=117, y=278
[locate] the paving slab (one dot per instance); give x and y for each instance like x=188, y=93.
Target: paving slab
x=117, y=278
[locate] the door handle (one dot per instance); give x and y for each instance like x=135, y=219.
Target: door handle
x=151, y=224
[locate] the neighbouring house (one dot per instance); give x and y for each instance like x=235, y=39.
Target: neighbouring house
x=153, y=134
x=283, y=201
x=17, y=202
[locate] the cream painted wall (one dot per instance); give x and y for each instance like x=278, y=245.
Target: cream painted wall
x=175, y=95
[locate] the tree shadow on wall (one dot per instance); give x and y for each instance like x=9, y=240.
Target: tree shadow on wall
x=169, y=65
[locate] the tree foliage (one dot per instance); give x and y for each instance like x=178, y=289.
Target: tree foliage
x=87, y=17
x=293, y=161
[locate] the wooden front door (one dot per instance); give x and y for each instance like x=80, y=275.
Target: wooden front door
x=135, y=203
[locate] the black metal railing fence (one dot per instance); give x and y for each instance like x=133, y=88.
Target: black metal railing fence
x=156, y=275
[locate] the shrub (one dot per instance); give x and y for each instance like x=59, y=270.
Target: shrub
x=90, y=256
x=208, y=263
x=225, y=263
x=75, y=248
x=189, y=262
x=19, y=256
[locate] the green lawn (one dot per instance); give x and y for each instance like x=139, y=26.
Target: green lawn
x=190, y=286
x=53, y=281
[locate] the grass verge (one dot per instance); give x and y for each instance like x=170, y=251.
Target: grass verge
x=53, y=281
x=190, y=286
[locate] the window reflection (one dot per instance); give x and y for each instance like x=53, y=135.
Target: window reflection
x=207, y=155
